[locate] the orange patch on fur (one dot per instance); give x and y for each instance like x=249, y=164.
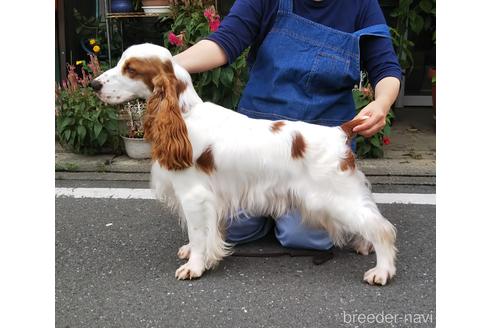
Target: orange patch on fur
x=298, y=146
x=142, y=69
x=164, y=125
x=348, y=127
x=348, y=162
x=146, y=69
x=276, y=126
x=206, y=161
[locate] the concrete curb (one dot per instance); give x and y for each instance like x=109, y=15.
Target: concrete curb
x=69, y=162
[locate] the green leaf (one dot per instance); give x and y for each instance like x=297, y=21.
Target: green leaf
x=375, y=141
x=82, y=132
x=217, y=95
x=207, y=78
x=112, y=115
x=426, y=5
x=65, y=122
x=387, y=130
x=364, y=148
x=227, y=76
x=359, y=99
x=216, y=76
x=97, y=129
x=101, y=139
x=66, y=135
x=71, y=140
x=417, y=24
x=112, y=125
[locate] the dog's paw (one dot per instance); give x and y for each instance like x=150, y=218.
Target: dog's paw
x=362, y=246
x=189, y=271
x=184, y=252
x=379, y=276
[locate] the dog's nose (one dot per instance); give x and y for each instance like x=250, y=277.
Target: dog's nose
x=96, y=85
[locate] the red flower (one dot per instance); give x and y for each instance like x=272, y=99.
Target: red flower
x=174, y=39
x=212, y=18
x=214, y=25
x=386, y=140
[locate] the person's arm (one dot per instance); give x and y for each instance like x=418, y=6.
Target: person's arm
x=203, y=56
x=236, y=32
x=379, y=59
x=385, y=94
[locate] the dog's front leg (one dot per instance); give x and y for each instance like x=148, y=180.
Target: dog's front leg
x=206, y=246
x=196, y=225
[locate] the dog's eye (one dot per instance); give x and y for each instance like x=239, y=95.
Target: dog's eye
x=131, y=70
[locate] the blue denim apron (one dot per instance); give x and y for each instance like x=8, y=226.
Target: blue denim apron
x=304, y=71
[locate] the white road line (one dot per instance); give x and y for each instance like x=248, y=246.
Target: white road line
x=130, y=193
x=390, y=198
x=115, y=193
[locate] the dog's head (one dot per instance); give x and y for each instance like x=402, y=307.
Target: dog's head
x=147, y=71
x=135, y=74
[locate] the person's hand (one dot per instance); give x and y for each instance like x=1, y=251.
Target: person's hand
x=376, y=113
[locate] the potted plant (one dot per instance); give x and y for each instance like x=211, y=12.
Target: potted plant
x=370, y=147
x=84, y=124
x=192, y=22
x=135, y=145
x=413, y=17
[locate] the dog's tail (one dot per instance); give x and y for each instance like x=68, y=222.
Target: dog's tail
x=349, y=126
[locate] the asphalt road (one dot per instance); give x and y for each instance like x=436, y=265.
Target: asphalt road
x=115, y=264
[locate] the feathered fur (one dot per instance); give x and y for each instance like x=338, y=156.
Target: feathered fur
x=211, y=162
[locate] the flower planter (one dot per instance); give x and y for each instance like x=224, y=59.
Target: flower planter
x=123, y=118
x=137, y=148
x=156, y=6
x=150, y=3
x=121, y=6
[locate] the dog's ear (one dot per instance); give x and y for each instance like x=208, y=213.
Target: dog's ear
x=164, y=125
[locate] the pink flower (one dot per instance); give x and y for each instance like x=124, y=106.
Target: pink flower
x=94, y=65
x=72, y=77
x=209, y=13
x=214, y=25
x=212, y=18
x=174, y=39
x=386, y=140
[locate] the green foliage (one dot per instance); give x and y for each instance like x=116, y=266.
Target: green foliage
x=84, y=124
x=222, y=85
x=413, y=16
x=371, y=147
x=95, y=28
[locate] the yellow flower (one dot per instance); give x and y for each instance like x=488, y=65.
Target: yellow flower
x=79, y=62
x=92, y=42
x=96, y=49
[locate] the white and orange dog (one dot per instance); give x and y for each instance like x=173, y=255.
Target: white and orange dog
x=209, y=162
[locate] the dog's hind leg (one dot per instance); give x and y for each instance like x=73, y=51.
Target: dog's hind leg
x=361, y=245
x=363, y=218
x=357, y=213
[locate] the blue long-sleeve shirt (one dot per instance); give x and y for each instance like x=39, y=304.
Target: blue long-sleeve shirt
x=249, y=21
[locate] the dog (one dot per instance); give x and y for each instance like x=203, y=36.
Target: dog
x=209, y=162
